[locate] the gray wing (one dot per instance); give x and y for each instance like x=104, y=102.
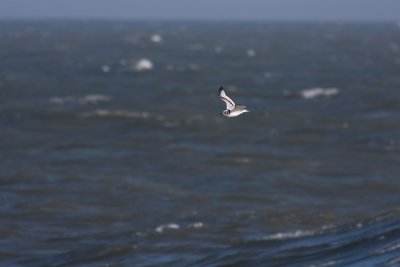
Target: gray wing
x=240, y=107
x=229, y=102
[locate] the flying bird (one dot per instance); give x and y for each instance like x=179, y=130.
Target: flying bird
x=232, y=110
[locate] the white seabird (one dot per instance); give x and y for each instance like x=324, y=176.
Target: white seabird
x=232, y=110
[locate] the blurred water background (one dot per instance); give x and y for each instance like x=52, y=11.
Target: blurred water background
x=114, y=152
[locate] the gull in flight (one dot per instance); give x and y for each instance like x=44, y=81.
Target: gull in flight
x=232, y=110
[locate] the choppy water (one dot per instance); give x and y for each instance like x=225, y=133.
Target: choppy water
x=113, y=152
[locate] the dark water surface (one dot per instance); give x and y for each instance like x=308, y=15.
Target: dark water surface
x=113, y=152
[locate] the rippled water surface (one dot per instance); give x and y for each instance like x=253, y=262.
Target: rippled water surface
x=114, y=152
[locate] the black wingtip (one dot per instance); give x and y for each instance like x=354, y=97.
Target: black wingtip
x=220, y=89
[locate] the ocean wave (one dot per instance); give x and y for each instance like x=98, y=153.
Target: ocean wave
x=162, y=120
x=117, y=113
x=325, y=264
x=387, y=248
x=251, y=53
x=174, y=226
x=105, y=68
x=171, y=226
x=192, y=67
x=317, y=92
x=197, y=47
x=367, y=243
x=140, y=65
x=143, y=65
x=86, y=99
x=196, y=225
x=289, y=235
x=156, y=38
x=242, y=160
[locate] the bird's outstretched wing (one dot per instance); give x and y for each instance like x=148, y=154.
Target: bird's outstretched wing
x=229, y=102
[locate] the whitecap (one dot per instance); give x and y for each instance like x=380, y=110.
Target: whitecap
x=117, y=113
x=316, y=92
x=196, y=225
x=87, y=99
x=251, y=52
x=143, y=64
x=60, y=100
x=156, y=38
x=388, y=248
x=105, y=68
x=171, y=226
x=94, y=98
x=289, y=235
x=395, y=260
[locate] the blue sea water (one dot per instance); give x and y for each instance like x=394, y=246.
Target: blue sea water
x=114, y=152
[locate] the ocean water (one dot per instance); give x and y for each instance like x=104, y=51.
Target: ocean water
x=114, y=152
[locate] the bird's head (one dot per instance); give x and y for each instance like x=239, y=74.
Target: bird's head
x=226, y=112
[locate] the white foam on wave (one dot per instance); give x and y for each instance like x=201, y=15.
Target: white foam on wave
x=61, y=100
x=94, y=98
x=289, y=235
x=143, y=65
x=395, y=260
x=116, y=113
x=87, y=99
x=251, y=52
x=171, y=226
x=174, y=226
x=388, y=248
x=196, y=225
x=105, y=68
x=156, y=38
x=317, y=92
